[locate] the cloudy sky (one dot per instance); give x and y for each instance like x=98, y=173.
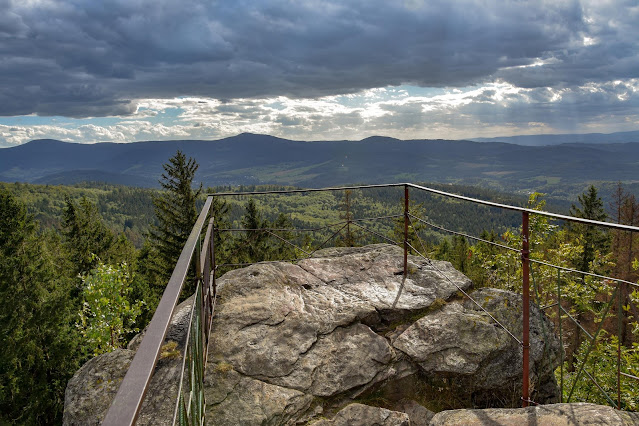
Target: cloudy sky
x=127, y=70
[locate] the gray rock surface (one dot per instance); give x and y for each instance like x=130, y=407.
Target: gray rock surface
x=359, y=414
x=577, y=414
x=91, y=390
x=89, y=393
x=332, y=329
x=418, y=415
x=463, y=342
x=327, y=339
x=241, y=400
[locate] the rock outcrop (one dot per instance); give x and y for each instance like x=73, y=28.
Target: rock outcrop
x=331, y=331
x=365, y=415
x=327, y=341
x=577, y=414
x=91, y=390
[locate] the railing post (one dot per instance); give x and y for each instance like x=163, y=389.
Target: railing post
x=561, y=339
x=347, y=200
x=405, y=231
x=525, y=251
x=213, y=264
x=621, y=291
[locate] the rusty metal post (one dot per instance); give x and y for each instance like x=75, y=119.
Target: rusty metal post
x=213, y=264
x=525, y=251
x=405, y=231
x=620, y=291
x=347, y=200
x=561, y=339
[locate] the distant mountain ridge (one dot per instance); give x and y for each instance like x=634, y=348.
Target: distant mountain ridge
x=261, y=159
x=589, y=138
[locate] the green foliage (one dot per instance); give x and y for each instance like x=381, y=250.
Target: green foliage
x=107, y=315
x=126, y=210
x=279, y=249
x=39, y=344
x=593, y=238
x=585, y=298
x=602, y=366
x=415, y=227
x=253, y=245
x=259, y=242
x=85, y=236
x=175, y=211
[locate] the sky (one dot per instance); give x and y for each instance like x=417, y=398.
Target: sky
x=91, y=71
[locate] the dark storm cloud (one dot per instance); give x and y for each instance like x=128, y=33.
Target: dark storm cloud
x=93, y=58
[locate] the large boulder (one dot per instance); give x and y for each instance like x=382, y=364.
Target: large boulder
x=581, y=414
x=359, y=414
x=345, y=326
x=474, y=344
x=92, y=388
x=340, y=338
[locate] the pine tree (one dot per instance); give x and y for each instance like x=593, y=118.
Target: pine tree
x=593, y=238
x=279, y=249
x=252, y=246
x=40, y=345
x=176, y=213
x=347, y=237
x=460, y=253
x=86, y=237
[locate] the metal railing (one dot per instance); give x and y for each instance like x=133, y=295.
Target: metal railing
x=189, y=409
x=190, y=404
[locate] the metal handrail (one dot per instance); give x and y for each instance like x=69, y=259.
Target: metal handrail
x=526, y=210
x=445, y=194
x=126, y=405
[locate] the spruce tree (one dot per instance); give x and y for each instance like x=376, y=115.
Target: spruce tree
x=593, y=238
x=253, y=245
x=175, y=211
x=347, y=236
x=279, y=249
x=86, y=237
x=39, y=342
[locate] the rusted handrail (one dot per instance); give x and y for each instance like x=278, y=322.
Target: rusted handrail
x=445, y=194
x=530, y=211
x=126, y=405
x=130, y=396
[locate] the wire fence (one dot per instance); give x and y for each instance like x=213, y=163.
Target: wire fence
x=201, y=250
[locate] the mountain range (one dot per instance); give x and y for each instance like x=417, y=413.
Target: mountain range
x=590, y=138
x=261, y=159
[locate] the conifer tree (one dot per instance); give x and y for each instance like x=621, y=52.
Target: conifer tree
x=175, y=211
x=593, y=238
x=40, y=347
x=252, y=247
x=86, y=237
x=347, y=237
x=460, y=253
x=281, y=250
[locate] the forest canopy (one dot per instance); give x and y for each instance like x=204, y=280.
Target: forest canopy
x=74, y=254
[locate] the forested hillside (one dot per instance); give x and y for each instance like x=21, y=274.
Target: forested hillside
x=92, y=251
x=562, y=171
x=129, y=210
